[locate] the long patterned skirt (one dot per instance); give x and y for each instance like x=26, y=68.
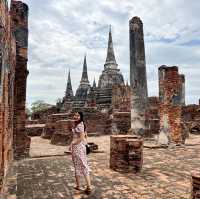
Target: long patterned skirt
x=79, y=159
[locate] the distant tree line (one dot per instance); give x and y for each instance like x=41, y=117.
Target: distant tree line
x=36, y=106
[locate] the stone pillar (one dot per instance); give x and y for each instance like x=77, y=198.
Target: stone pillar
x=138, y=79
x=195, y=185
x=126, y=153
x=171, y=98
x=19, y=26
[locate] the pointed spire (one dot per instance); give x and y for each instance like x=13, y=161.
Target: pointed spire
x=110, y=59
x=69, y=91
x=84, y=78
x=94, y=84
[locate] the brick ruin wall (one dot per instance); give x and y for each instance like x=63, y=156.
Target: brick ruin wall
x=19, y=27
x=191, y=118
x=171, y=101
x=97, y=123
x=120, y=123
x=121, y=96
x=169, y=104
x=152, y=116
x=8, y=103
x=41, y=116
x=50, y=125
x=7, y=68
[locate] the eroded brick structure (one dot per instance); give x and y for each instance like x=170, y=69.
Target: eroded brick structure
x=138, y=79
x=153, y=116
x=19, y=27
x=121, y=95
x=7, y=72
x=191, y=117
x=49, y=128
x=171, y=89
x=13, y=59
x=126, y=153
x=63, y=133
x=120, y=122
x=42, y=115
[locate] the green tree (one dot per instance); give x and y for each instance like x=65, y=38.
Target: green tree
x=28, y=111
x=39, y=105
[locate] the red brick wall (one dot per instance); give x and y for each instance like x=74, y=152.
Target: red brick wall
x=171, y=97
x=7, y=65
x=191, y=116
x=121, y=96
x=42, y=115
x=19, y=27
x=153, y=116
x=13, y=71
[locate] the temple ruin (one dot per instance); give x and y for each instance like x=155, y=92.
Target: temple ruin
x=172, y=98
x=13, y=63
x=95, y=96
x=132, y=125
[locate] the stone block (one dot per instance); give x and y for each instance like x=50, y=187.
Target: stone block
x=126, y=153
x=34, y=129
x=63, y=133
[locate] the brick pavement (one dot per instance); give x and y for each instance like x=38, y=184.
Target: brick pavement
x=165, y=174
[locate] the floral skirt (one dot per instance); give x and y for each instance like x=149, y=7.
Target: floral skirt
x=79, y=159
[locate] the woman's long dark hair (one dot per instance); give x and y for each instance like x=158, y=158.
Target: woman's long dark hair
x=82, y=120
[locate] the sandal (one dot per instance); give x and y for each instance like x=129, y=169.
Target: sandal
x=77, y=188
x=88, y=190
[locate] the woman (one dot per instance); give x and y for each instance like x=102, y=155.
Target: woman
x=79, y=152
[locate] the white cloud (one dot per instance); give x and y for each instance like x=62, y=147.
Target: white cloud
x=61, y=32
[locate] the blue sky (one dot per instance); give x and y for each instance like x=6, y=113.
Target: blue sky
x=61, y=32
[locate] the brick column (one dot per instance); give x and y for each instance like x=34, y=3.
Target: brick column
x=19, y=26
x=171, y=96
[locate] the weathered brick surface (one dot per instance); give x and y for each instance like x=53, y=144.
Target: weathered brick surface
x=34, y=129
x=153, y=116
x=121, y=122
x=13, y=57
x=63, y=132
x=42, y=115
x=19, y=26
x=50, y=124
x=171, y=100
x=165, y=174
x=191, y=117
x=7, y=72
x=121, y=96
x=126, y=153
